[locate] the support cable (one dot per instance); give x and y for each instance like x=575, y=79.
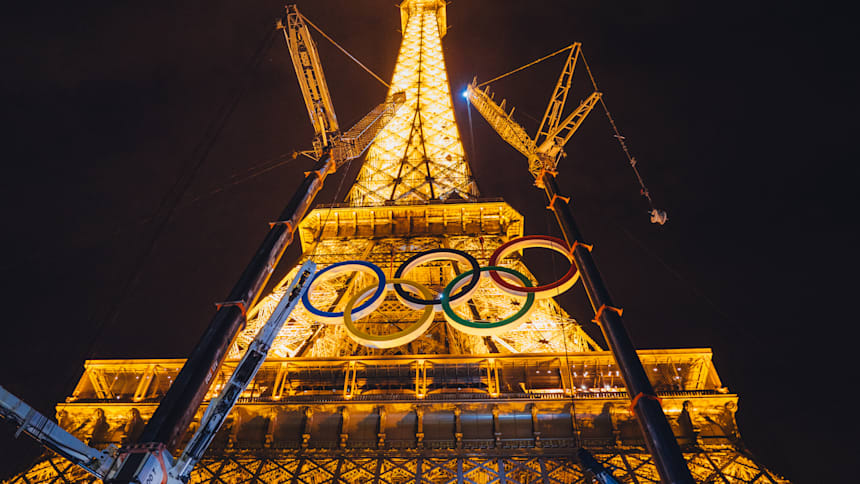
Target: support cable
x=527, y=65
x=345, y=52
x=236, y=178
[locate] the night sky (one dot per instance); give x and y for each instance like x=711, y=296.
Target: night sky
x=741, y=115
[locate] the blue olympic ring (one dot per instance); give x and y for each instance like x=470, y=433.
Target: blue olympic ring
x=364, y=308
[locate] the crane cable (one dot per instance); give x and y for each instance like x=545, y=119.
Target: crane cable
x=657, y=216
x=345, y=52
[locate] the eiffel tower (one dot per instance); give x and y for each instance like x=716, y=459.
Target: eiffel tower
x=379, y=402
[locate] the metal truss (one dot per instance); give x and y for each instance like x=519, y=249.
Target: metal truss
x=356, y=467
x=418, y=156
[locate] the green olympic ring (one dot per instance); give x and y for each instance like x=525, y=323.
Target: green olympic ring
x=480, y=328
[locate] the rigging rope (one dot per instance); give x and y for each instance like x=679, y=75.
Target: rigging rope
x=345, y=52
x=527, y=65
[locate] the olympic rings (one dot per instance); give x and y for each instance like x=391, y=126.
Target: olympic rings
x=478, y=328
x=535, y=241
x=338, y=268
x=431, y=255
x=388, y=340
x=457, y=292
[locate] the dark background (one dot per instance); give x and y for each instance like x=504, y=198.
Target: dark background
x=741, y=115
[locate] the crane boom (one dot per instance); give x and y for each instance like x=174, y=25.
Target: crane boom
x=309, y=72
x=306, y=61
x=49, y=434
x=355, y=141
x=245, y=371
x=501, y=121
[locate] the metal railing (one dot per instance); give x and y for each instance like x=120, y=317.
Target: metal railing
x=442, y=396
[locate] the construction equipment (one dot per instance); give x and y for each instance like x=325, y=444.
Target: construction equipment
x=247, y=368
x=547, y=147
x=543, y=152
x=49, y=434
x=306, y=61
x=153, y=462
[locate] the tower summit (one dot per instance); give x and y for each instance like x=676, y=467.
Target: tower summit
x=418, y=156
x=404, y=364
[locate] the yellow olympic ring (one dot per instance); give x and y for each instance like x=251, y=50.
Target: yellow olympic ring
x=399, y=338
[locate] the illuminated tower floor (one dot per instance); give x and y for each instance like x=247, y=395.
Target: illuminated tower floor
x=445, y=406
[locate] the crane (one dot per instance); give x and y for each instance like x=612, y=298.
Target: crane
x=221, y=405
x=149, y=460
x=158, y=465
x=49, y=434
x=327, y=135
x=543, y=153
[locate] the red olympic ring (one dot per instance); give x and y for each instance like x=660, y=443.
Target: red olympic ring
x=535, y=241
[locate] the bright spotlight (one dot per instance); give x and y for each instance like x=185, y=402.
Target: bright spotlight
x=466, y=94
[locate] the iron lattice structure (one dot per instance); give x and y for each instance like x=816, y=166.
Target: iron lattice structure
x=391, y=468
x=418, y=156
x=447, y=407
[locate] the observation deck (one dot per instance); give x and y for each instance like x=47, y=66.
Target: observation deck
x=452, y=217
x=456, y=402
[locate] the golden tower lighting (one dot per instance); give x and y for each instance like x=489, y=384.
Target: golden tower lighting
x=444, y=406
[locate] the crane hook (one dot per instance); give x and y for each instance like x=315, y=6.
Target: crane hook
x=659, y=217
